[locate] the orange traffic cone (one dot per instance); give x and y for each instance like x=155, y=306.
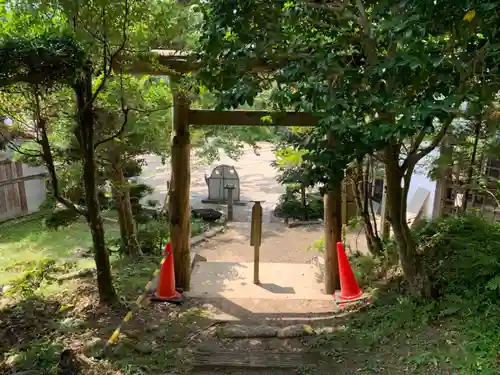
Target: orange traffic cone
x=349, y=288
x=166, y=291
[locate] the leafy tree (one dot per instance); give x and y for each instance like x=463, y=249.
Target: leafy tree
x=105, y=31
x=385, y=76
x=122, y=140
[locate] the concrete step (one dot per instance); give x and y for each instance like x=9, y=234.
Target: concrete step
x=277, y=281
x=260, y=310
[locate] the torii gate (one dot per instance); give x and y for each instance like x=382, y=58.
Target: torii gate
x=175, y=64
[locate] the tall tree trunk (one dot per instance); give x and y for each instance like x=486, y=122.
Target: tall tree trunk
x=47, y=156
x=384, y=212
x=119, y=210
x=333, y=233
x=413, y=269
x=444, y=180
x=470, y=171
x=362, y=203
x=125, y=214
x=85, y=135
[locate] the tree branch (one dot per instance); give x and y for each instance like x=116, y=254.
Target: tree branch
x=125, y=111
x=16, y=148
x=117, y=134
x=48, y=157
x=339, y=7
x=414, y=157
x=148, y=111
x=107, y=71
x=15, y=117
x=367, y=43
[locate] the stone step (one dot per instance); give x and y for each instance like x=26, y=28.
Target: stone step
x=235, y=331
x=256, y=359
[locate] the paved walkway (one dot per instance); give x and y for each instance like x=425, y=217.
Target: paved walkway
x=280, y=244
x=258, y=182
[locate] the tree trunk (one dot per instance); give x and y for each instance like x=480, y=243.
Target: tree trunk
x=85, y=135
x=362, y=203
x=470, y=171
x=48, y=158
x=443, y=181
x=121, y=218
x=180, y=224
x=125, y=214
x=332, y=201
x=413, y=269
x=384, y=214
x=304, y=202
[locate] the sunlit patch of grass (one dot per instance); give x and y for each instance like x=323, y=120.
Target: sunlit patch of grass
x=27, y=241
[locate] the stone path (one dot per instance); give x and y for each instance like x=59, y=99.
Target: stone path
x=267, y=347
x=279, y=244
x=248, y=349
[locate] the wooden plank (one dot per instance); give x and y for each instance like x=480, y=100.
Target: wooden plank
x=16, y=180
x=179, y=195
x=3, y=190
x=251, y=118
x=255, y=359
x=22, y=188
x=13, y=202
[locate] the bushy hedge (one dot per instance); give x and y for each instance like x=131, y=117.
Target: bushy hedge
x=290, y=206
x=462, y=256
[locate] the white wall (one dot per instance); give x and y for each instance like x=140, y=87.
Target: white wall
x=420, y=179
x=35, y=189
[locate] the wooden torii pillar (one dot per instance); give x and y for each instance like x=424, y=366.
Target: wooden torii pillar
x=179, y=198
x=180, y=181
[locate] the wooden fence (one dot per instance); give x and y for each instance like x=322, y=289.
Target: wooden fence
x=13, y=197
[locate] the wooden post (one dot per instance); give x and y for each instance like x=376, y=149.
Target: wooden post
x=332, y=201
x=256, y=238
x=230, y=189
x=180, y=224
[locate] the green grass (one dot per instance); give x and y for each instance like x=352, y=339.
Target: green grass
x=398, y=335
x=25, y=241
x=57, y=316
x=71, y=317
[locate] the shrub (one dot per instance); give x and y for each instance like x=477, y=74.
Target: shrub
x=152, y=236
x=462, y=256
x=137, y=192
x=290, y=206
x=60, y=218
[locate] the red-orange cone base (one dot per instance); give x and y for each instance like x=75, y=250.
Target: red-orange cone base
x=349, y=288
x=166, y=284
